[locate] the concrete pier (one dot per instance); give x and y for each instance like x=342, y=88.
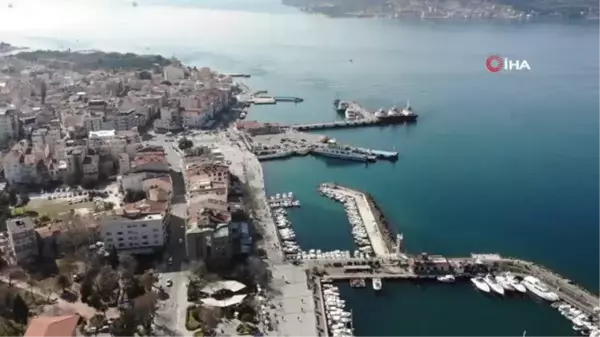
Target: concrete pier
x=368, y=218
x=335, y=125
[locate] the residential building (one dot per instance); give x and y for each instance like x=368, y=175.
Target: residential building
x=53, y=326
x=22, y=239
x=141, y=227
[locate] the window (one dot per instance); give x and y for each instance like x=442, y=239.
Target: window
x=155, y=229
x=119, y=233
x=143, y=225
x=155, y=235
x=156, y=242
x=145, y=243
x=144, y=236
x=120, y=239
x=109, y=239
x=121, y=245
x=108, y=233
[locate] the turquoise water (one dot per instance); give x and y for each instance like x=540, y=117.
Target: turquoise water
x=503, y=163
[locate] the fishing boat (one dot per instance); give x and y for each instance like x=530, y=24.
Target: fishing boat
x=481, y=284
x=377, y=284
x=446, y=278
x=490, y=280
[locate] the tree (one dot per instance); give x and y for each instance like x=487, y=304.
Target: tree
x=126, y=324
x=44, y=218
x=107, y=282
x=147, y=280
x=63, y=281
x=109, y=206
x=145, y=308
x=127, y=265
x=185, y=143
x=113, y=257
x=20, y=310
x=210, y=317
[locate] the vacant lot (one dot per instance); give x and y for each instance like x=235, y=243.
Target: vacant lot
x=52, y=208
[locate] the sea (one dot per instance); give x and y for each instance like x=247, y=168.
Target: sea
x=499, y=162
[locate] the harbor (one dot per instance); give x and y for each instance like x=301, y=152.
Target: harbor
x=379, y=259
x=272, y=142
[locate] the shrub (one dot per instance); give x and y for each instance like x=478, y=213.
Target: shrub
x=191, y=323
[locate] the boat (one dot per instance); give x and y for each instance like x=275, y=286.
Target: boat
x=377, y=284
x=480, y=284
x=491, y=281
x=340, y=106
x=380, y=113
x=503, y=282
x=446, y=278
x=334, y=151
x=515, y=283
x=394, y=115
x=540, y=289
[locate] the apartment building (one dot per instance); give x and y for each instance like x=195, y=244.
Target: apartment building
x=22, y=239
x=146, y=232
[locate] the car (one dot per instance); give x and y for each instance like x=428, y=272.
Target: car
x=169, y=283
x=180, y=240
x=170, y=261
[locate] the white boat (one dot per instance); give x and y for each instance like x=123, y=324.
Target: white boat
x=377, y=284
x=489, y=279
x=480, y=284
x=540, y=289
x=516, y=283
x=503, y=282
x=446, y=278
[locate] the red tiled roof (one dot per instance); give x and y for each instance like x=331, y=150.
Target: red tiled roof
x=52, y=326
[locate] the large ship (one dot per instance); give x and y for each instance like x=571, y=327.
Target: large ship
x=340, y=106
x=394, y=115
x=540, y=289
x=335, y=151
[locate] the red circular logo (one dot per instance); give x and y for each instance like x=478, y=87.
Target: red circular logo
x=494, y=63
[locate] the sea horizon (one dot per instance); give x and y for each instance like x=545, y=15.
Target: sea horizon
x=502, y=163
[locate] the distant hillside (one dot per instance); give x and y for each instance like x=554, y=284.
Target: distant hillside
x=95, y=59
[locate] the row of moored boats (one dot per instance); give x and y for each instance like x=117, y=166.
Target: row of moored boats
x=501, y=284
x=317, y=254
x=283, y=200
x=359, y=231
x=339, y=321
x=286, y=233
x=582, y=323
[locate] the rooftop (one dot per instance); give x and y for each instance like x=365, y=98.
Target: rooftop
x=52, y=326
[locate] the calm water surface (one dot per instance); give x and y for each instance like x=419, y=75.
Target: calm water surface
x=503, y=163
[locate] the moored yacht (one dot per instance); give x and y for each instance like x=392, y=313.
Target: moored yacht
x=377, y=283
x=489, y=279
x=380, y=113
x=540, y=289
x=480, y=284
x=446, y=278
x=503, y=282
x=515, y=283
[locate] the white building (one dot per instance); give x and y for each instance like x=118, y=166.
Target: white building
x=173, y=73
x=20, y=168
x=22, y=239
x=146, y=232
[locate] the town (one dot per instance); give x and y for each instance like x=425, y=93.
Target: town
x=133, y=204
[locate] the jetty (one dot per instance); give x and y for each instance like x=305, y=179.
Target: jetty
x=383, y=239
x=336, y=125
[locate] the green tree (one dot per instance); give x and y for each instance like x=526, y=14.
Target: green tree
x=185, y=143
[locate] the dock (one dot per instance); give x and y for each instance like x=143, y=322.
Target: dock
x=335, y=125
x=369, y=219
